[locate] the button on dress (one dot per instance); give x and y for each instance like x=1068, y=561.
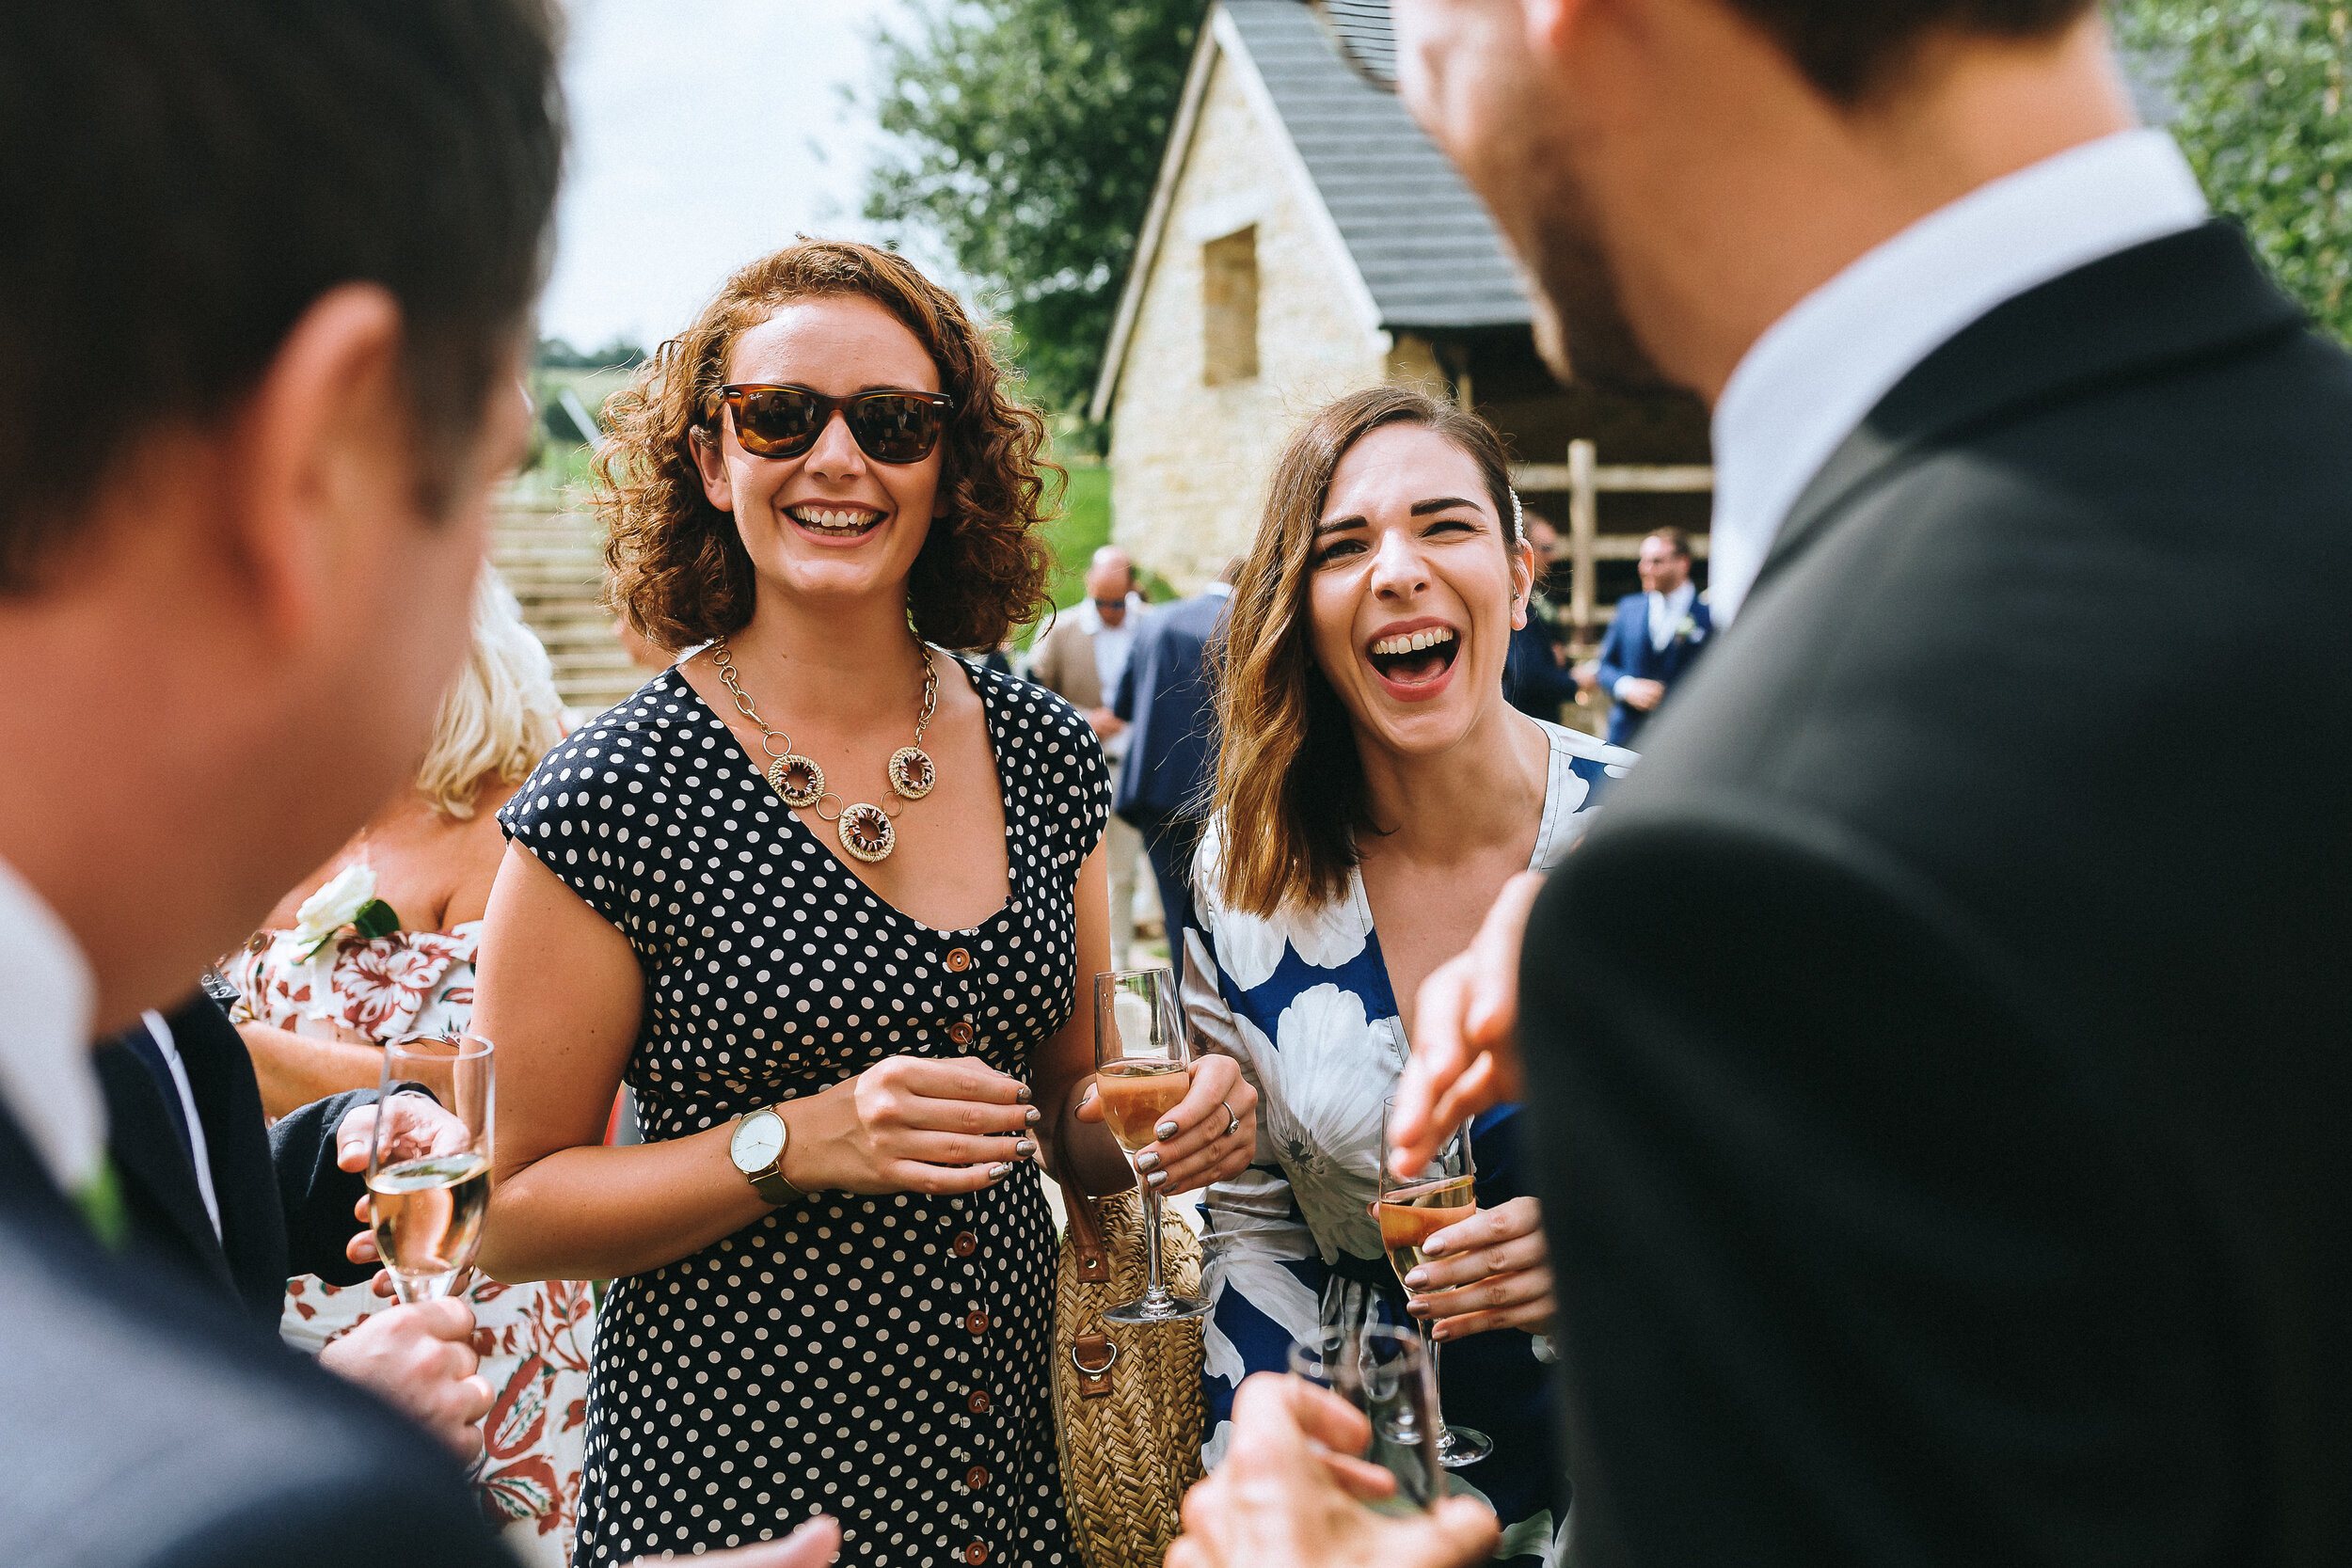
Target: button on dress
x=822, y=1359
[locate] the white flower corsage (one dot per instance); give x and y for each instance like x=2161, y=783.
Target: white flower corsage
x=1689, y=630
x=348, y=899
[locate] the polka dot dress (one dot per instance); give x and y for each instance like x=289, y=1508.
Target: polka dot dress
x=881, y=1359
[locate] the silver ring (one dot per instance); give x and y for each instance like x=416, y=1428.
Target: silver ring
x=1232, y=1122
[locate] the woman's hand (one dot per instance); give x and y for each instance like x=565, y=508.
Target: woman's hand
x=911, y=1124
x=1489, y=1271
x=1197, y=1142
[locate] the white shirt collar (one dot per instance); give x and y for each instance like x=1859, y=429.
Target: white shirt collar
x=47, y=999
x=1809, y=380
x=1666, y=611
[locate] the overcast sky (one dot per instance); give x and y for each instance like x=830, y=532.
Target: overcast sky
x=704, y=132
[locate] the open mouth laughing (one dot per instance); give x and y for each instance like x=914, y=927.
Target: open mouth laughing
x=1415, y=660
x=836, y=522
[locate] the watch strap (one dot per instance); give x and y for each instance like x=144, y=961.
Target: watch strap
x=768, y=1182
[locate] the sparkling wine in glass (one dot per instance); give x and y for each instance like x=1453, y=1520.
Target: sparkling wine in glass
x=429, y=1160
x=1142, y=1068
x=1411, y=1209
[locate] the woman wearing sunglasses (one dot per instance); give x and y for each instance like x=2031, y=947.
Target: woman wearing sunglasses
x=824, y=896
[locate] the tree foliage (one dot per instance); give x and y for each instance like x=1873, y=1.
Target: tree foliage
x=2260, y=90
x=1029, y=134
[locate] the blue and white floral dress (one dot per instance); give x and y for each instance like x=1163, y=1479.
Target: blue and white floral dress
x=1303, y=1001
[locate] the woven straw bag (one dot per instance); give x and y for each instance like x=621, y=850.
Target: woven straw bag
x=1127, y=1406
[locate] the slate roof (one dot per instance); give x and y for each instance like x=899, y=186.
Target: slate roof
x=1426, y=248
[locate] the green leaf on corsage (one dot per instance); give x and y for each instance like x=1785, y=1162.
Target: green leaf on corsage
x=376, y=919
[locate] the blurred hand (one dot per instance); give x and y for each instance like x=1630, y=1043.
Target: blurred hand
x=1104, y=722
x=813, y=1545
x=911, y=1124
x=1490, y=1270
x=1285, y=1494
x=1587, y=677
x=1466, y=1054
x=419, y=1361
x=1645, y=695
x=1193, y=1147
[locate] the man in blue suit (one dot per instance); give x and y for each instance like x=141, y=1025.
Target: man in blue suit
x=1171, y=749
x=1657, y=637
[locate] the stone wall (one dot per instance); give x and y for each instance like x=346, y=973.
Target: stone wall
x=1189, y=460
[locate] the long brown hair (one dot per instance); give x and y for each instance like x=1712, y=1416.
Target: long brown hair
x=680, y=571
x=1290, y=787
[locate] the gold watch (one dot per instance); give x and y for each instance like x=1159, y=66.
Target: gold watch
x=758, y=1149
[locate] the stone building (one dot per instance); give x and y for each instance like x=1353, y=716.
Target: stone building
x=1305, y=240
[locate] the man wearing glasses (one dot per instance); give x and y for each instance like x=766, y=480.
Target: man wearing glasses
x=1940, y=1069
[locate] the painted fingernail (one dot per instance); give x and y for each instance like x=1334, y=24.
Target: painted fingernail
x=1146, y=1162
x=1033, y=1115
x=1166, y=1130
x=1157, y=1179
x=1437, y=1331
x=1025, y=1149
x=1418, y=1278
x=1418, y=1308
x=1000, y=1171
x=1021, y=1093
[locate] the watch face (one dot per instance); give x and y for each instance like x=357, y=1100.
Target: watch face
x=758, y=1138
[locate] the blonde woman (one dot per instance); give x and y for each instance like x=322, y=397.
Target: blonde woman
x=322, y=986
x=1374, y=790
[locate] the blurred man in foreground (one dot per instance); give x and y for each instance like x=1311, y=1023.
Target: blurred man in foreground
x=1942, y=1072
x=266, y=280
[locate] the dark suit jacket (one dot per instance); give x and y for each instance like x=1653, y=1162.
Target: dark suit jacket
x=1171, y=752
x=1941, y=1042
x=1533, y=680
x=143, y=1425
x=1627, y=651
x=271, y=1184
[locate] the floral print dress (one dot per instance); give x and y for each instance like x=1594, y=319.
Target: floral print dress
x=532, y=1339
x=1303, y=1001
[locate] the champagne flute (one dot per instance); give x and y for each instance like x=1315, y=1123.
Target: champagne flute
x=429, y=1160
x=1412, y=1209
x=1380, y=1367
x=1142, y=1068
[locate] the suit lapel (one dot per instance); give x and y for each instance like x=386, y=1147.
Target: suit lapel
x=149, y=1157
x=2189, y=296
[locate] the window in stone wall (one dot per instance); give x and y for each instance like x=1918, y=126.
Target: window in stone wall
x=1229, y=298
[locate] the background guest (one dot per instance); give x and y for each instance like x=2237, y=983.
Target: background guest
x=1657, y=636
x=1537, y=680
x=1083, y=659
x=321, y=989
x=1165, y=694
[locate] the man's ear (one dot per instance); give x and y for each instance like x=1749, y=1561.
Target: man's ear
x=323, y=452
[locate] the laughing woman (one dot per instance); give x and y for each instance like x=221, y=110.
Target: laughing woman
x=826, y=896
x=1385, y=791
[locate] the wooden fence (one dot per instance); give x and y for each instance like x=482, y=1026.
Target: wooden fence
x=1583, y=478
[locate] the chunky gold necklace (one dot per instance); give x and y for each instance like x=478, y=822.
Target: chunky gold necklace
x=865, y=830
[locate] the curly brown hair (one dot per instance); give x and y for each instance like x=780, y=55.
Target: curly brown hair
x=678, y=568
x=1290, y=785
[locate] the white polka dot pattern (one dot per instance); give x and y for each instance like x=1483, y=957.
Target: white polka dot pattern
x=880, y=1359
